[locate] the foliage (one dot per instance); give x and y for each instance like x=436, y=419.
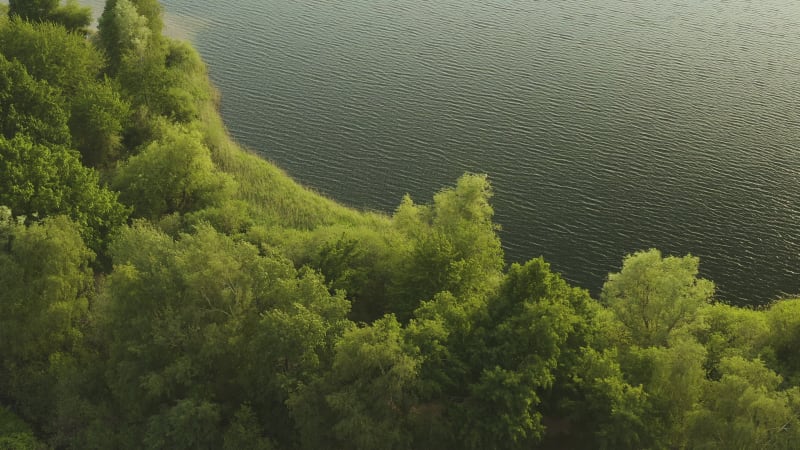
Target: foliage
x=176, y=312
x=123, y=29
x=72, y=16
x=366, y=396
x=44, y=271
x=242, y=310
x=41, y=181
x=652, y=296
x=781, y=347
x=30, y=107
x=64, y=60
x=728, y=331
x=455, y=247
x=745, y=409
x=172, y=175
x=70, y=64
x=33, y=10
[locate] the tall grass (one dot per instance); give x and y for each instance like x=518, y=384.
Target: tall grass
x=275, y=198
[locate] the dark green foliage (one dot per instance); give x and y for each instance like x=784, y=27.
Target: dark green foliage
x=244, y=432
x=361, y=261
x=167, y=80
x=151, y=10
x=71, y=64
x=121, y=29
x=15, y=434
x=242, y=311
x=97, y=122
x=727, y=331
x=41, y=181
x=202, y=326
x=366, y=398
x=30, y=107
x=44, y=271
x=529, y=324
x=745, y=409
x=782, y=341
x=64, y=60
x=33, y=10
x=73, y=17
x=129, y=28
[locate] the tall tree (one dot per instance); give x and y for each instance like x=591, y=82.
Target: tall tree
x=30, y=107
x=129, y=26
x=71, y=65
x=781, y=346
x=455, y=245
x=366, y=398
x=745, y=409
x=172, y=175
x=46, y=281
x=204, y=328
x=72, y=16
x=32, y=10
x=652, y=296
x=41, y=181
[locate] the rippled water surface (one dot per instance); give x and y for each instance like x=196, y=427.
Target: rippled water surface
x=605, y=126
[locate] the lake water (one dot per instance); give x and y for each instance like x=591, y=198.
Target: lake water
x=605, y=126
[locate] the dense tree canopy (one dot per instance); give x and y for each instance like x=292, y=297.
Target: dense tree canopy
x=172, y=175
x=652, y=296
x=41, y=181
x=235, y=309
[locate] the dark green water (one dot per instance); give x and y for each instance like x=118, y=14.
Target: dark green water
x=606, y=126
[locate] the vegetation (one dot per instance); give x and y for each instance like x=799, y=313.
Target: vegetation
x=162, y=288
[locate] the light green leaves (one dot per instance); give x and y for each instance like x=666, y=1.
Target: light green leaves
x=652, y=296
x=172, y=175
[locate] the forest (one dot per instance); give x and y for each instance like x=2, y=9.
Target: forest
x=163, y=288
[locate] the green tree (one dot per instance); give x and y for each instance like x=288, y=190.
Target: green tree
x=200, y=327
x=365, y=399
x=97, y=121
x=244, y=433
x=46, y=282
x=493, y=366
x=783, y=318
x=70, y=64
x=172, y=175
x=129, y=27
x=673, y=377
x=64, y=60
x=455, y=245
x=15, y=434
x=362, y=261
x=32, y=10
x=727, y=331
x=30, y=107
x=745, y=410
x=652, y=296
x=41, y=181
x=73, y=17
x=605, y=411
x=530, y=323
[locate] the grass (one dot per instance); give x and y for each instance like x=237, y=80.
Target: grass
x=275, y=198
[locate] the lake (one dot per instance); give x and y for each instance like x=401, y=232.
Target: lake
x=605, y=126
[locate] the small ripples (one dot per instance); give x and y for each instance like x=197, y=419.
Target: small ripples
x=606, y=127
